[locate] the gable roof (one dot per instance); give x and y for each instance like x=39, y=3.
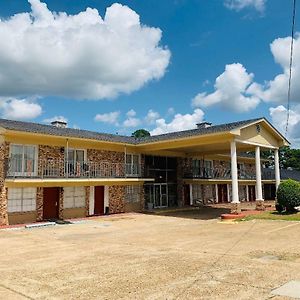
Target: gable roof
x=86, y=134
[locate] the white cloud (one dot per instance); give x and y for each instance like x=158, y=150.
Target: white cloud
x=279, y=117
x=276, y=90
x=179, y=122
x=151, y=117
x=131, y=120
x=238, y=5
x=56, y=118
x=80, y=56
x=20, y=109
x=231, y=91
x=110, y=118
x=131, y=113
x=171, y=111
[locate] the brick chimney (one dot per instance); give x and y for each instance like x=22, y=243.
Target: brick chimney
x=203, y=125
x=59, y=124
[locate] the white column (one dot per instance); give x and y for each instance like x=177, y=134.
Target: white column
x=191, y=195
x=259, y=195
x=234, y=174
x=277, y=168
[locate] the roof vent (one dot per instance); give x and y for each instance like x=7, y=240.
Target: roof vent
x=203, y=125
x=59, y=124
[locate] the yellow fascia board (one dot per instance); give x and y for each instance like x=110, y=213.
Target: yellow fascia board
x=197, y=140
x=13, y=183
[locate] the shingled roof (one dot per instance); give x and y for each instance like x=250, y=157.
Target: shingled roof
x=86, y=134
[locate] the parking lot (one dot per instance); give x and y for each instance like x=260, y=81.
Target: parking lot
x=182, y=255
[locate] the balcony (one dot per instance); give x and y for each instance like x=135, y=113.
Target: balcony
x=16, y=168
x=225, y=174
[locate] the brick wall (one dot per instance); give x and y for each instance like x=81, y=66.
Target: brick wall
x=116, y=199
x=4, y=154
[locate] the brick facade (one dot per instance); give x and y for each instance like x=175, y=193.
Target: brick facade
x=116, y=199
x=39, y=203
x=4, y=154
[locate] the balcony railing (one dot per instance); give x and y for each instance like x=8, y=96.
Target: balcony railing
x=225, y=173
x=69, y=169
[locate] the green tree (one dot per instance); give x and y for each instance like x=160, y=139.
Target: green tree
x=140, y=133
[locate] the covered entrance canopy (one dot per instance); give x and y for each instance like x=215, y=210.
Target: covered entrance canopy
x=225, y=140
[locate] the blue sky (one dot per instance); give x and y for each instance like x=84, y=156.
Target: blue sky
x=179, y=70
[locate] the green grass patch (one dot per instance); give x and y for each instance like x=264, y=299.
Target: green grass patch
x=274, y=215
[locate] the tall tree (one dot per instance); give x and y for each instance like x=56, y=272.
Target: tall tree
x=140, y=133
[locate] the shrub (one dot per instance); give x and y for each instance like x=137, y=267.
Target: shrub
x=288, y=196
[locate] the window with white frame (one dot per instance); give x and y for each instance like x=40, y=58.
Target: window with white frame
x=208, y=166
x=197, y=191
x=23, y=160
x=75, y=162
x=132, y=193
x=132, y=164
x=74, y=197
x=21, y=199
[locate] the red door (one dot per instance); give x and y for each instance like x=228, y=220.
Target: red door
x=186, y=190
x=251, y=192
x=50, y=203
x=222, y=193
x=99, y=200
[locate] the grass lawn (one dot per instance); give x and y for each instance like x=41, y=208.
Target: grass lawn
x=274, y=215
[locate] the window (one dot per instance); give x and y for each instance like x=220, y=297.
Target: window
x=74, y=197
x=197, y=191
x=23, y=160
x=208, y=168
x=196, y=168
x=132, y=193
x=75, y=162
x=132, y=164
x=21, y=199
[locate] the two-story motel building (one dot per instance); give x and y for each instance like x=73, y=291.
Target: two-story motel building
x=55, y=172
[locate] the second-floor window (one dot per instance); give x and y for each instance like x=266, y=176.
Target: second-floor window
x=23, y=160
x=75, y=162
x=132, y=164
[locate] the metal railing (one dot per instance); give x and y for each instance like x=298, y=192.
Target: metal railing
x=225, y=173
x=69, y=169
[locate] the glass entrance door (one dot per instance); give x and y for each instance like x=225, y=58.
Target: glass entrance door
x=158, y=195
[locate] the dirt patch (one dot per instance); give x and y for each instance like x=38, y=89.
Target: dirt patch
x=149, y=257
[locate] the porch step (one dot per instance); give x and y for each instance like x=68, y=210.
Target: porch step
x=37, y=225
x=227, y=217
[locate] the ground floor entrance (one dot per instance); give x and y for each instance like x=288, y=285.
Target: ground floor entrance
x=160, y=195
x=99, y=200
x=222, y=193
x=51, y=203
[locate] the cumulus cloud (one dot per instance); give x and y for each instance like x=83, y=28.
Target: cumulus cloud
x=275, y=90
x=20, y=109
x=79, y=56
x=238, y=5
x=110, y=118
x=179, y=122
x=231, y=91
x=131, y=120
x=56, y=118
x=151, y=116
x=279, y=116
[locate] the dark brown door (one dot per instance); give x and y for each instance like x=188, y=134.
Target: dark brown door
x=222, y=193
x=51, y=203
x=186, y=191
x=251, y=192
x=99, y=200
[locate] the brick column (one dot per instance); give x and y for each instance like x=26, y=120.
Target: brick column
x=39, y=203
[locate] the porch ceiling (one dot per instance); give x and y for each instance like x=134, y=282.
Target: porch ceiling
x=215, y=147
